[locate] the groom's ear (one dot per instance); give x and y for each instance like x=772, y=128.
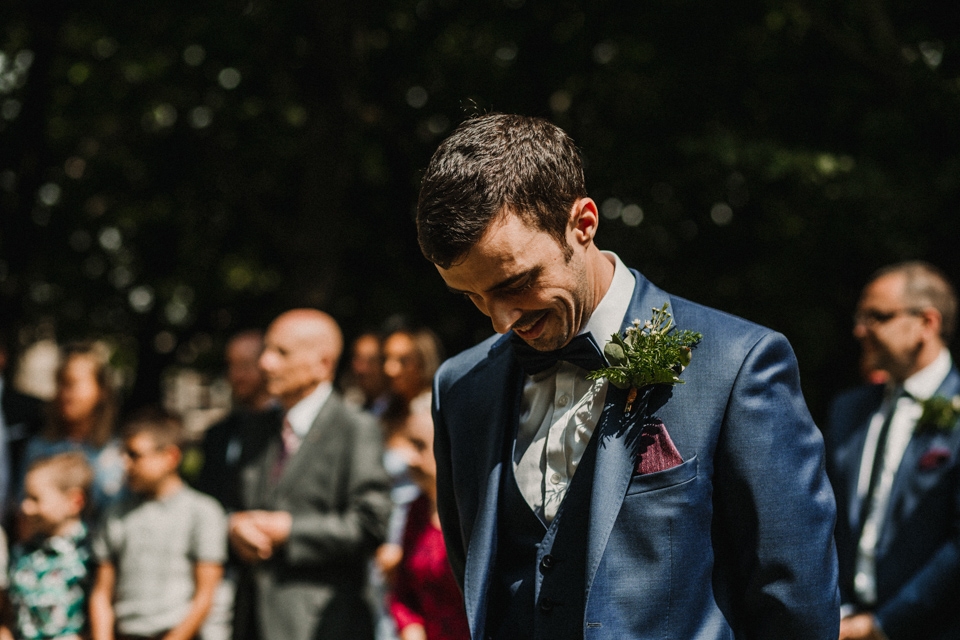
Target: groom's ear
x=583, y=221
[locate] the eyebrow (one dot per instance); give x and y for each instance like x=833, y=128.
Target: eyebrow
x=530, y=274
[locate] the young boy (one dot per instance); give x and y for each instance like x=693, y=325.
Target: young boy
x=49, y=568
x=160, y=552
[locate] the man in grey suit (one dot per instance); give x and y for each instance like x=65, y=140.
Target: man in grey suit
x=318, y=498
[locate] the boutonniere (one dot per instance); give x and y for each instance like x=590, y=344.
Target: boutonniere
x=933, y=458
x=939, y=414
x=652, y=352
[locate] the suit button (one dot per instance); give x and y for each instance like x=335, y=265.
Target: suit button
x=547, y=562
x=546, y=605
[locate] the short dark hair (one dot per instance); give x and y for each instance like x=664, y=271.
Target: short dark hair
x=164, y=427
x=491, y=162
x=927, y=286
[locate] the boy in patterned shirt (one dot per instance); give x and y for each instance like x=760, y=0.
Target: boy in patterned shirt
x=159, y=551
x=49, y=570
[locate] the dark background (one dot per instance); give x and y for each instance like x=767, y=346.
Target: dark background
x=173, y=171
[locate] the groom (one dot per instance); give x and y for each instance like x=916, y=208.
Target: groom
x=569, y=509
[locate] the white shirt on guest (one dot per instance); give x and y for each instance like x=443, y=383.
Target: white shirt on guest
x=907, y=410
x=560, y=408
x=301, y=415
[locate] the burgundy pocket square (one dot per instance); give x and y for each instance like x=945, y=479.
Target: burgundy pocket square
x=656, y=451
x=933, y=458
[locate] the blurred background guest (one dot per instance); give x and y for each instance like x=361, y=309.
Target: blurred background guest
x=227, y=447
x=82, y=417
x=893, y=455
x=20, y=418
x=317, y=498
x=231, y=443
x=50, y=568
x=366, y=384
x=426, y=602
x=410, y=358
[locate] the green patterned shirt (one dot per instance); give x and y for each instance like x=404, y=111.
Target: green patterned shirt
x=49, y=581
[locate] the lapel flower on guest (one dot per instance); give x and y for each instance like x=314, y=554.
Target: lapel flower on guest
x=939, y=414
x=933, y=458
x=655, y=352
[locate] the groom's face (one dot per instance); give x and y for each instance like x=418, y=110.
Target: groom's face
x=524, y=280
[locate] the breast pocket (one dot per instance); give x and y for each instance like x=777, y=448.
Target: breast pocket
x=674, y=476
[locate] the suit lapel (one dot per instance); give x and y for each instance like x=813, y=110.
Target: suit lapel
x=618, y=433
x=320, y=431
x=918, y=445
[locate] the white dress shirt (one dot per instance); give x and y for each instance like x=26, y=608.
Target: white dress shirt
x=301, y=415
x=560, y=409
x=906, y=412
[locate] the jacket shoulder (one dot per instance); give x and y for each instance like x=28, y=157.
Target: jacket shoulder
x=727, y=338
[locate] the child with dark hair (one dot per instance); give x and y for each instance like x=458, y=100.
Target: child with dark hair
x=160, y=551
x=49, y=568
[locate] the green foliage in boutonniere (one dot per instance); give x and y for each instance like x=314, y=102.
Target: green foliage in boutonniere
x=939, y=414
x=654, y=352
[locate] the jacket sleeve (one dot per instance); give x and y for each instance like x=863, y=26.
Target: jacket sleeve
x=446, y=500
x=775, y=508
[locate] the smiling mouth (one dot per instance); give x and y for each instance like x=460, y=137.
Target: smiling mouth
x=532, y=331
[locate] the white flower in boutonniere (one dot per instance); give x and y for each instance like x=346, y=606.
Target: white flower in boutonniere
x=939, y=414
x=654, y=352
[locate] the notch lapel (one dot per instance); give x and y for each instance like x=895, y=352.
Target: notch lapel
x=910, y=463
x=321, y=430
x=619, y=435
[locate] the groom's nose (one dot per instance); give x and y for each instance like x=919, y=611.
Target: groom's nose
x=502, y=315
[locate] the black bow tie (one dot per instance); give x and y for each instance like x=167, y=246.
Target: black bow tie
x=582, y=351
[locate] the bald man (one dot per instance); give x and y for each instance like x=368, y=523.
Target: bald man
x=318, y=498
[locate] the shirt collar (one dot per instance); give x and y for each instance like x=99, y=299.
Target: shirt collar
x=607, y=318
x=924, y=383
x=302, y=414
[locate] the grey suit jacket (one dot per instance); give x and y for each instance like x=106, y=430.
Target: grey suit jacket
x=337, y=491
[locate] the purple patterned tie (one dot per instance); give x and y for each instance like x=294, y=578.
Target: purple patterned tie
x=290, y=442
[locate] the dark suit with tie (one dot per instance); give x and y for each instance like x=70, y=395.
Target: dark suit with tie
x=918, y=551
x=230, y=445
x=735, y=542
x=338, y=493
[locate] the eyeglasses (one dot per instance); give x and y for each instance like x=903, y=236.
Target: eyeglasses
x=136, y=456
x=873, y=318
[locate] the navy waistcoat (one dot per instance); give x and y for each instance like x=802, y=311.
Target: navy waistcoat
x=539, y=586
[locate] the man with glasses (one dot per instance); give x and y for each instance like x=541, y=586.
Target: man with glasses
x=893, y=460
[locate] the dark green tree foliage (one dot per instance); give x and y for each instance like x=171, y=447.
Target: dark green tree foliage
x=171, y=172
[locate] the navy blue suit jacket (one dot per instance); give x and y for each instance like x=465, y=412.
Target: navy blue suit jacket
x=736, y=542
x=918, y=553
